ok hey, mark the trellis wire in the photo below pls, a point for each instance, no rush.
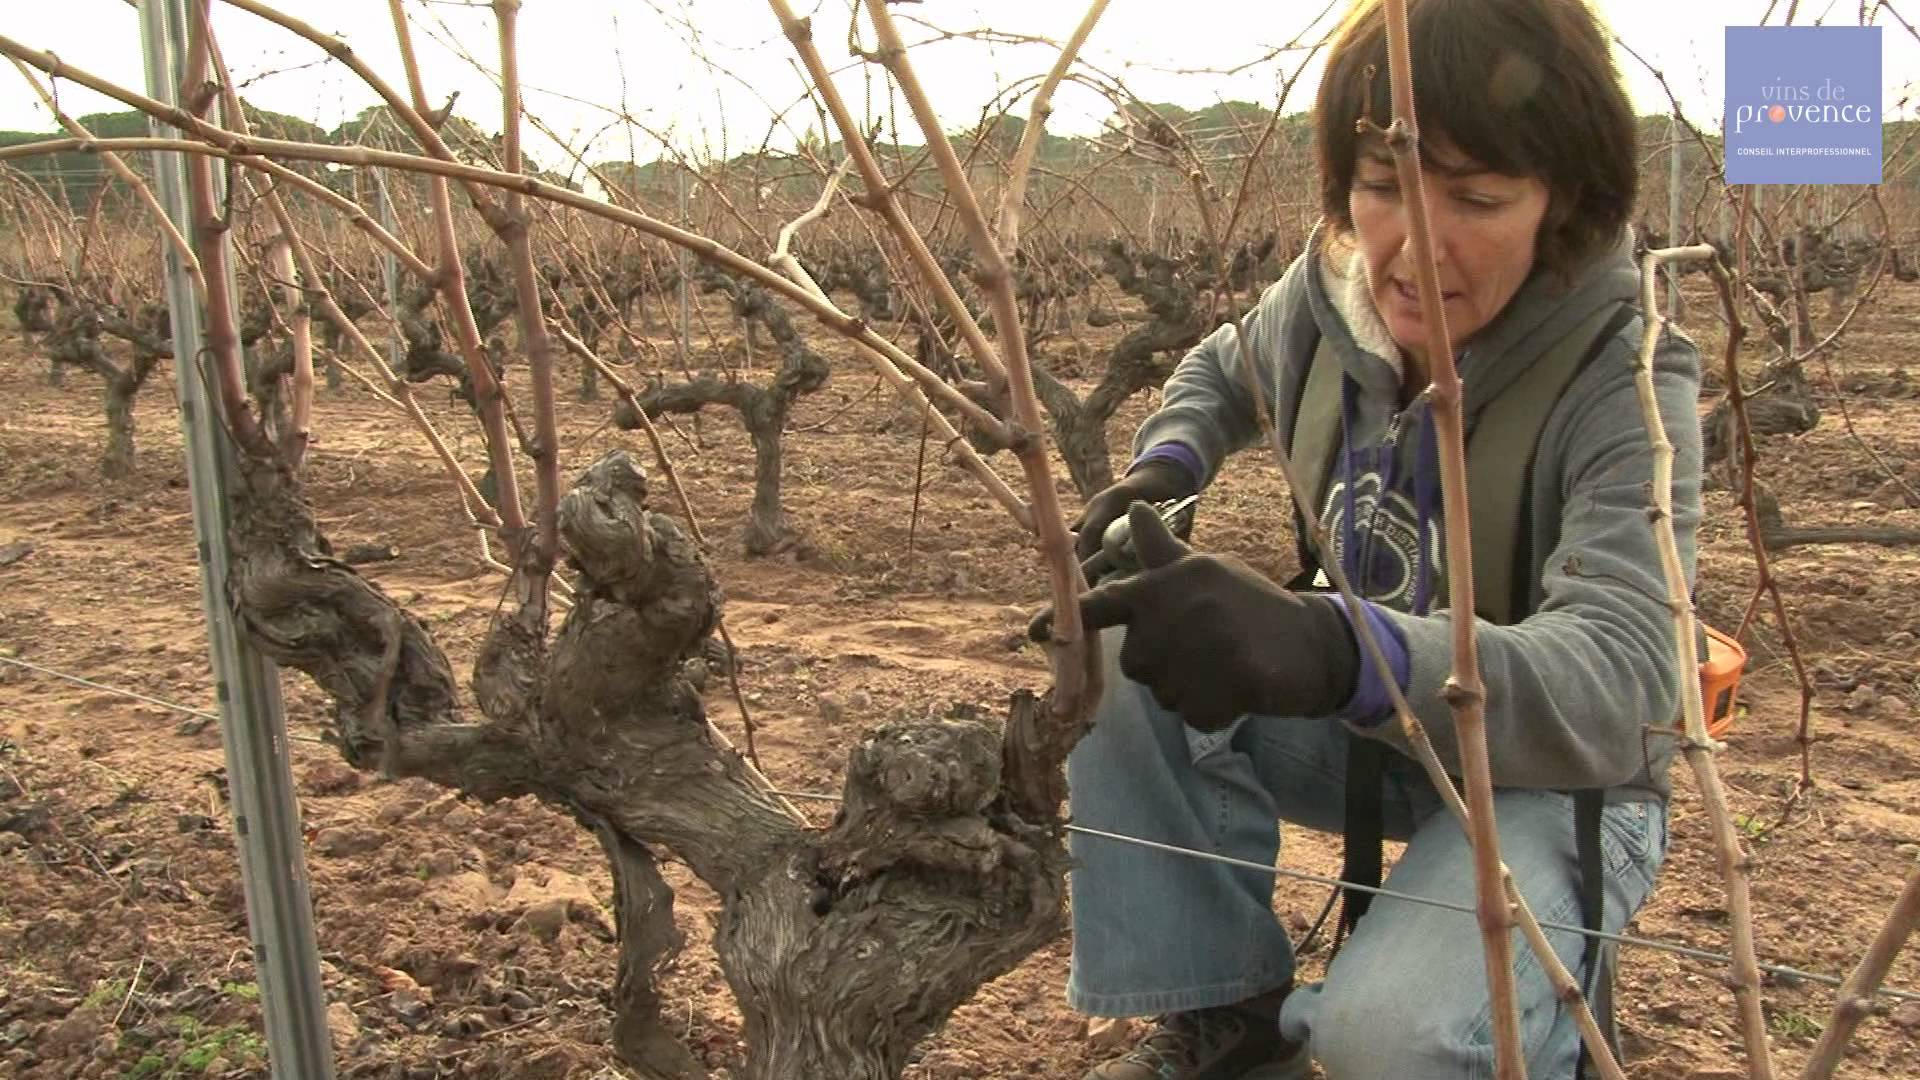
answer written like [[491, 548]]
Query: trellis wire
[[1449, 905], [1174, 849], [163, 703]]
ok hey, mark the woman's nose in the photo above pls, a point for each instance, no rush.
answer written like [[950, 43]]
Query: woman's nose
[[1441, 227]]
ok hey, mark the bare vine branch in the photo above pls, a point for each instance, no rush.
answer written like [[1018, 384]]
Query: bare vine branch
[[1464, 689], [1076, 676], [1855, 999], [1698, 746], [127, 176], [1013, 200]]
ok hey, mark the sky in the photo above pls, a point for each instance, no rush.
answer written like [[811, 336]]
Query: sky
[[712, 76]]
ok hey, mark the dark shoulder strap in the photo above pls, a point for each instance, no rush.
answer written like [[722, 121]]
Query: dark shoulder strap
[[1596, 977], [1500, 454], [1364, 818], [1316, 442], [1500, 483]]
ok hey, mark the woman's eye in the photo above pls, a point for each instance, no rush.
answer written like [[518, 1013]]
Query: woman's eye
[[1376, 187], [1482, 202]]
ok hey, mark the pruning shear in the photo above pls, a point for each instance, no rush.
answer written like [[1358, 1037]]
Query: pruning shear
[[1116, 555]]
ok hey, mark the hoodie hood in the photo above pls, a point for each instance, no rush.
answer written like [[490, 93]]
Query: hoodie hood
[[1384, 499], [1546, 308]]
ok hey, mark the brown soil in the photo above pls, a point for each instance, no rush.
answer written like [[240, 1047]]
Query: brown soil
[[123, 949]]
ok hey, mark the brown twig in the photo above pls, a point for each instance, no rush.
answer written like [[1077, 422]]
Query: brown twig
[[295, 441], [1464, 690], [1826, 356], [1259, 145], [1206, 202], [127, 176], [412, 115], [222, 336], [1764, 583], [1855, 998], [880, 193], [1698, 747], [132, 985], [852, 403], [200, 129], [1781, 537], [894, 369], [919, 484], [1076, 677], [1013, 199], [625, 390], [298, 437], [397, 391], [517, 235], [355, 215], [489, 395], [248, 152]]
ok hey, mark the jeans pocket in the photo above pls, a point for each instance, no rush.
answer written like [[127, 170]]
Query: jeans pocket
[[1627, 838]]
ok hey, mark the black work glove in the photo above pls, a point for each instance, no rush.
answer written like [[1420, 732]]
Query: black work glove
[[1212, 638], [1154, 481]]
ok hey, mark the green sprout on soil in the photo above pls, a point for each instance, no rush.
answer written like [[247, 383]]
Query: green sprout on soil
[[1793, 1025], [104, 993], [233, 1043]]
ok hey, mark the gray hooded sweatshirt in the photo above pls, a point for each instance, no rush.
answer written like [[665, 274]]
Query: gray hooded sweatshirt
[[1583, 693]]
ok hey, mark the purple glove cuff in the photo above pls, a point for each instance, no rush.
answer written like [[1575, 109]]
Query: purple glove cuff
[[1370, 706], [1180, 454]]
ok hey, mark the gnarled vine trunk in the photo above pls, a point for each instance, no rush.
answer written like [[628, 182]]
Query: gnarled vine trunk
[[74, 338], [1172, 292], [763, 410], [117, 461], [844, 946]]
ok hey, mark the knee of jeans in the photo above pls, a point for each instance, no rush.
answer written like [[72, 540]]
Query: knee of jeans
[[1394, 1023]]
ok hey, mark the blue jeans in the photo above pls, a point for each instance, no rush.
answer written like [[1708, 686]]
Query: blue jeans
[[1406, 994]]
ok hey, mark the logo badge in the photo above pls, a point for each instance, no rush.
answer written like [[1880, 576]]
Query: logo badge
[[1803, 105]]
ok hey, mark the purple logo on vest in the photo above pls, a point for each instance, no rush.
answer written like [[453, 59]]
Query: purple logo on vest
[[1803, 105]]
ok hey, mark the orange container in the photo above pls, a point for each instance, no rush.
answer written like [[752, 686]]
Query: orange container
[[1720, 681]]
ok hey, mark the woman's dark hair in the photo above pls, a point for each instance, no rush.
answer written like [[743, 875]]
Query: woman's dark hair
[[1524, 87]]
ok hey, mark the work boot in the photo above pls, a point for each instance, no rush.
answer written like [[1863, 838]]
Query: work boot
[[1230, 1042]]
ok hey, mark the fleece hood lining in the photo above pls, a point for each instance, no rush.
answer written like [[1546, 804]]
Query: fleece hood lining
[[1353, 300], [1543, 308]]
